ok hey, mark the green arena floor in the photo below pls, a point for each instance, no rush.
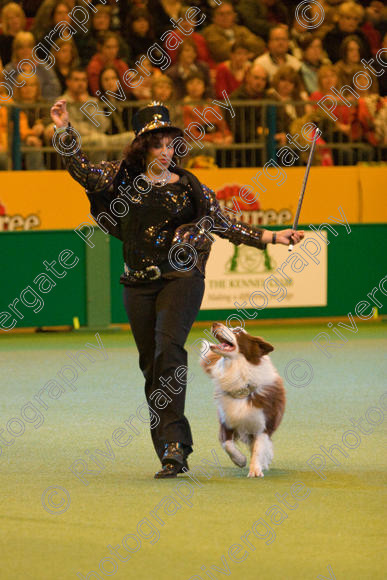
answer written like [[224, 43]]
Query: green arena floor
[[56, 526]]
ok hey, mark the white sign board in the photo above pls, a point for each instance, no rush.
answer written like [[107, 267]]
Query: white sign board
[[274, 278]]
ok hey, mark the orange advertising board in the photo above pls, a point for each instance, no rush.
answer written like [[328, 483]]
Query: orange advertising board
[[53, 200]]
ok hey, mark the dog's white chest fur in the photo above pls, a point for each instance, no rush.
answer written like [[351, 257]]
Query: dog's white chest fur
[[239, 413], [229, 378]]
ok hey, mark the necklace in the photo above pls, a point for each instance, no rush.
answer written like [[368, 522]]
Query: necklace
[[158, 182]]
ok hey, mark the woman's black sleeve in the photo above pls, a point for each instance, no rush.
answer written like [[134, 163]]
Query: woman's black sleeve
[[93, 177], [228, 227]]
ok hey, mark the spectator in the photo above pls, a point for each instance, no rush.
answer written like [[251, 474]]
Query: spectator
[[259, 17], [164, 10], [34, 117], [44, 16], [278, 55], [187, 63], [230, 74], [327, 79], [118, 118], [254, 84], [223, 32], [297, 35], [313, 59], [65, 59], [336, 131], [374, 23], [383, 78], [249, 121], [3, 135], [203, 54], [108, 48], [144, 90], [59, 12], [163, 90], [286, 86], [13, 20], [377, 107], [350, 16], [87, 44], [351, 54], [139, 31], [22, 46], [219, 131]]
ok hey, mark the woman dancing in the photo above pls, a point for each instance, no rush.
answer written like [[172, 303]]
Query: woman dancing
[[162, 293]]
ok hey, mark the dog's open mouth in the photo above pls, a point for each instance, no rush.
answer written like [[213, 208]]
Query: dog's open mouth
[[224, 343]]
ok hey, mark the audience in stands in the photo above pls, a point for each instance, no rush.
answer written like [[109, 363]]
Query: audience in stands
[[259, 17], [22, 46], [108, 49], [44, 16], [65, 59], [286, 87], [32, 120], [203, 54], [230, 74], [118, 119], [350, 16], [163, 11], [59, 12], [374, 24], [223, 32], [100, 24], [249, 120], [277, 55], [164, 91], [216, 128], [4, 149], [139, 31], [312, 59], [13, 21], [143, 92], [242, 48], [351, 52], [188, 63]]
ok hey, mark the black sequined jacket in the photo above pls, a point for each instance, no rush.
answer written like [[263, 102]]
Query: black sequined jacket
[[108, 181]]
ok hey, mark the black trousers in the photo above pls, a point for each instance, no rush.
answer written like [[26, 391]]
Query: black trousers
[[161, 314]]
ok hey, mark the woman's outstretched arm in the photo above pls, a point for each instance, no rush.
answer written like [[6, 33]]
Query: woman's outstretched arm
[[240, 233], [93, 177]]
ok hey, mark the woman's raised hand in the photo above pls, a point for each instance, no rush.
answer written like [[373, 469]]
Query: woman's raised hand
[[59, 113]]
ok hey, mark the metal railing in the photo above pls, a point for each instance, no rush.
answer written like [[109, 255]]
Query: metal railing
[[254, 127]]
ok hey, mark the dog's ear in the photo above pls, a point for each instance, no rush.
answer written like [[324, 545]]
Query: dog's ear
[[265, 347], [250, 347]]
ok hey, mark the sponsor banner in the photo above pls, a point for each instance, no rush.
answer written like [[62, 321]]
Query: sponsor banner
[[246, 277], [49, 200]]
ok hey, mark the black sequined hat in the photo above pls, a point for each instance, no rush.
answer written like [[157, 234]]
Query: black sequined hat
[[152, 117]]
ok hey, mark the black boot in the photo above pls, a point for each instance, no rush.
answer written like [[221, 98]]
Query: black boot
[[173, 460]]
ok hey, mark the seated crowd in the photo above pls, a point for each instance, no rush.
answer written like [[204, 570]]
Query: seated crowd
[[245, 50]]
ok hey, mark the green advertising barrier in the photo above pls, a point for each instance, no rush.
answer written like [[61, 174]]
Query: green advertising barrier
[[356, 263], [25, 279], [84, 282]]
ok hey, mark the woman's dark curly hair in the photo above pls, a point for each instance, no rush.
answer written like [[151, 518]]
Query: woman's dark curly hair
[[135, 153]]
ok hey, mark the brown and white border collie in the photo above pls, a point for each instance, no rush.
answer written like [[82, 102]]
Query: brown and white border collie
[[249, 394]]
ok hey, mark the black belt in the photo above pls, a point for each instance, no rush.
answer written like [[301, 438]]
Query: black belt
[[151, 272]]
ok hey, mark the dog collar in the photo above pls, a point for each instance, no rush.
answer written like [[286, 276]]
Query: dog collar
[[241, 393]]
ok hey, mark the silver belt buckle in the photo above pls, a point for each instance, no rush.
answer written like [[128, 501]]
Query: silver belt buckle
[[156, 269]]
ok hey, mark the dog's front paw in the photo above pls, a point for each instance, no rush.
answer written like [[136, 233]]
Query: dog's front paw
[[235, 455], [255, 472]]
